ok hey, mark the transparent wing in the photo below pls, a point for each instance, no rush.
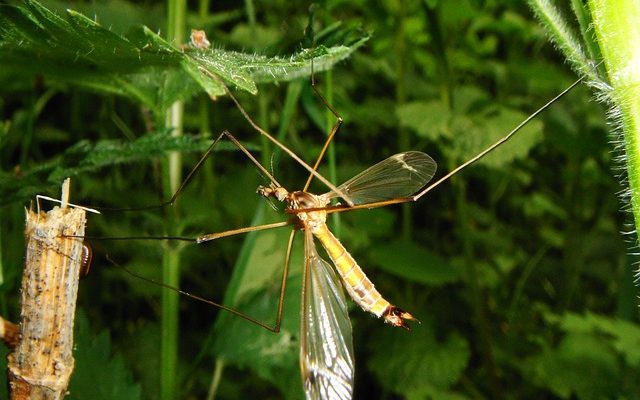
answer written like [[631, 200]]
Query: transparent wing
[[326, 350], [400, 175]]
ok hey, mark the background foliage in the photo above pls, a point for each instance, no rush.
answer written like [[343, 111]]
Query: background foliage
[[516, 267]]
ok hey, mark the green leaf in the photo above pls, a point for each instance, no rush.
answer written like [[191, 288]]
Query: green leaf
[[429, 119], [85, 157], [141, 346], [4, 352], [360, 229], [624, 336], [413, 262], [476, 133], [98, 374], [538, 205], [587, 362], [579, 365], [77, 50], [421, 366]]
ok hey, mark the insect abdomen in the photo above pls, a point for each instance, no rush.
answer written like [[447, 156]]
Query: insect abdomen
[[359, 287]]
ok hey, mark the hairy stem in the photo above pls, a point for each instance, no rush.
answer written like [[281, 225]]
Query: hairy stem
[[618, 33]]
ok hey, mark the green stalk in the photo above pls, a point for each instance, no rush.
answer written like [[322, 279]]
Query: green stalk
[[203, 8], [442, 62], [263, 121], [618, 33], [584, 20], [171, 257], [216, 378], [169, 325], [251, 15]]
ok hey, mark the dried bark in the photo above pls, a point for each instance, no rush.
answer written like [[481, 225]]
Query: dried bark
[[9, 333], [42, 362]]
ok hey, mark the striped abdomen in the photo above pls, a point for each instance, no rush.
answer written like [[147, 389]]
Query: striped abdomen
[[359, 287], [356, 282]]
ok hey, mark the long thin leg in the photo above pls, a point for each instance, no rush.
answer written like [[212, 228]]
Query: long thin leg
[[496, 144], [218, 235], [210, 236], [199, 239], [275, 141], [334, 130], [283, 284], [195, 169], [417, 196], [275, 328]]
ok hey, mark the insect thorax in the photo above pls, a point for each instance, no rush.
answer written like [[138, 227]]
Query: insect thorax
[[301, 200], [298, 201]]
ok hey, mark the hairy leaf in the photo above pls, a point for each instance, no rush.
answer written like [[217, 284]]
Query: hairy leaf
[[77, 50]]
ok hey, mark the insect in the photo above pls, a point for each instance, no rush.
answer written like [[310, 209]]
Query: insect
[[326, 354], [326, 349]]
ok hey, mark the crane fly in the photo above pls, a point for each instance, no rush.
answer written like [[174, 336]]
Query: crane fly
[[398, 176], [326, 352], [326, 348]]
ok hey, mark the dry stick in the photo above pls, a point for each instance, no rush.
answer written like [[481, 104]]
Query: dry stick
[[9, 333], [42, 362]]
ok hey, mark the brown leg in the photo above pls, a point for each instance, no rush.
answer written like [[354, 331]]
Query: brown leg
[[275, 141], [334, 130]]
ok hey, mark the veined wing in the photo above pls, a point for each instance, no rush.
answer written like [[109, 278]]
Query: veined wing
[[326, 350], [400, 175]]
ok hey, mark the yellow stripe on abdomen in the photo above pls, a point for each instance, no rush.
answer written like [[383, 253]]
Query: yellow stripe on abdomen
[[359, 287]]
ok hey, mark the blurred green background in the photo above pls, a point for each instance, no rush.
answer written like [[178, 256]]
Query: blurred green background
[[516, 267]]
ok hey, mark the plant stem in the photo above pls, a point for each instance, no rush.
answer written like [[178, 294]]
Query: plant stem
[[444, 72], [169, 325], [251, 16], [215, 379], [618, 33], [171, 257], [203, 8]]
